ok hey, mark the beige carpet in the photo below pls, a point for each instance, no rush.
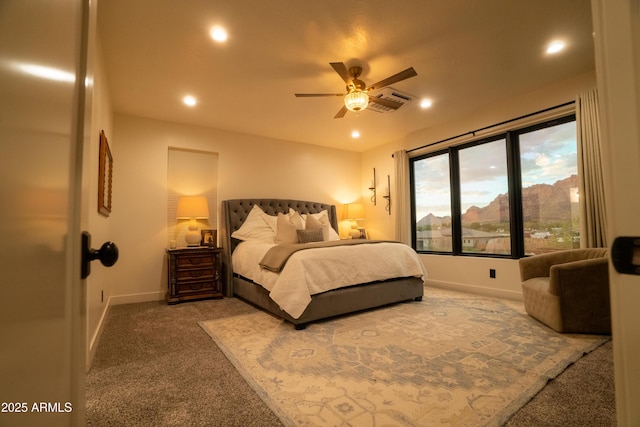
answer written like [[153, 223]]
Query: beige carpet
[[452, 359]]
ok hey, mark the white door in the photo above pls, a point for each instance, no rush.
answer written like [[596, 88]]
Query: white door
[[42, 324], [617, 37]]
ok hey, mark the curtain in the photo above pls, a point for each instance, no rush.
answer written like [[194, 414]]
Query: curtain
[[591, 187], [402, 201]]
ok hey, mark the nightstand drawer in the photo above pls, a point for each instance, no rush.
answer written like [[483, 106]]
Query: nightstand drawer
[[187, 288], [194, 260], [183, 275]]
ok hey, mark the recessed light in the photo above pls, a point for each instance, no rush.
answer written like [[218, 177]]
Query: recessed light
[[355, 134], [555, 46], [219, 34], [189, 100], [426, 103]]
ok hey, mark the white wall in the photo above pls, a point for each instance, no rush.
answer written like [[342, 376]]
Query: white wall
[[248, 166], [98, 283], [462, 272]]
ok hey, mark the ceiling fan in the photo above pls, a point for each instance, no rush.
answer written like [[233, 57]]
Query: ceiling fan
[[357, 97]]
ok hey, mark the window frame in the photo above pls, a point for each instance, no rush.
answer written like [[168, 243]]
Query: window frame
[[514, 184]]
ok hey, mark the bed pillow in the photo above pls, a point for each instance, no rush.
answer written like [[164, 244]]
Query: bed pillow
[[312, 222], [310, 235], [287, 225], [323, 218], [257, 226], [321, 221]]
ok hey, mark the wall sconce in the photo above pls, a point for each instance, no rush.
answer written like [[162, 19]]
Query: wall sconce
[[373, 188], [192, 208], [388, 195]]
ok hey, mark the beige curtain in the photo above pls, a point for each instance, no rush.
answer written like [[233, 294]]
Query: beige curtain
[[402, 203], [592, 197]]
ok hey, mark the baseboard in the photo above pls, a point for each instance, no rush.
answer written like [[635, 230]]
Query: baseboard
[[476, 290], [134, 298], [95, 339]]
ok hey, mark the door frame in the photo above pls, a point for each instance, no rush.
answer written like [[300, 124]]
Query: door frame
[[617, 48]]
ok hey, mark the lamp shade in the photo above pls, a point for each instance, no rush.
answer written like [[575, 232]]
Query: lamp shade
[[192, 207], [356, 100], [354, 211]]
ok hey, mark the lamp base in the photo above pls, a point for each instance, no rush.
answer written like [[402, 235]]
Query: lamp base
[[192, 238], [193, 235]]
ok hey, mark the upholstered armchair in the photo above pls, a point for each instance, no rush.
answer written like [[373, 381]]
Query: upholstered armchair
[[568, 290]]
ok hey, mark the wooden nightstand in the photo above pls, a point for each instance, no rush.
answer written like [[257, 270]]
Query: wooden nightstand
[[194, 273]]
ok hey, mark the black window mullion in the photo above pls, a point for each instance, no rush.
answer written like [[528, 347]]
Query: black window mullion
[[456, 215], [515, 195], [412, 190]]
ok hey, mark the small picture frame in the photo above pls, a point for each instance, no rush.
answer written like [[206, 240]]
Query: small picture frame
[[363, 233], [209, 237]]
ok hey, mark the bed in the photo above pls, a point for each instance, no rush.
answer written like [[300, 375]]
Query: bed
[[349, 298]]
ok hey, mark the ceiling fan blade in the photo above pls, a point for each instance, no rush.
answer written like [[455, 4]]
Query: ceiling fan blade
[[402, 75], [304, 95], [341, 113], [341, 69], [386, 102]]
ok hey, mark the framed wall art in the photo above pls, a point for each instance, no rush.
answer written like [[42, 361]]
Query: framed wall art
[[105, 176]]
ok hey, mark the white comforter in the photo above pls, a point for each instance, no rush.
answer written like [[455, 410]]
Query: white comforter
[[313, 271]]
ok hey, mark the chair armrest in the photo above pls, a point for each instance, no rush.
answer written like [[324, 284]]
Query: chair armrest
[[537, 266], [583, 290]]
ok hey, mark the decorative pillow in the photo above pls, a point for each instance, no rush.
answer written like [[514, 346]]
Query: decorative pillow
[[310, 235], [257, 227], [312, 223], [287, 225], [271, 220], [322, 222], [323, 218], [330, 233], [296, 218]]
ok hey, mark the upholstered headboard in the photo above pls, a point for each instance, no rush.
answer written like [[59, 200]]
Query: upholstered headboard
[[235, 212]]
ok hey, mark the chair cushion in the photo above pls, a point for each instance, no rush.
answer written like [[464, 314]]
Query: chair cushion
[[540, 303]]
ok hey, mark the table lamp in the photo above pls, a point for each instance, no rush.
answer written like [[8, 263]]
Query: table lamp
[[192, 208], [354, 212]]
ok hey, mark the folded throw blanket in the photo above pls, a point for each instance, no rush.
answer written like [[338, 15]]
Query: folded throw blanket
[[276, 257]]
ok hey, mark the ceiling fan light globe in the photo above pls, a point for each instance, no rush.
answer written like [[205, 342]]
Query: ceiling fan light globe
[[356, 101]]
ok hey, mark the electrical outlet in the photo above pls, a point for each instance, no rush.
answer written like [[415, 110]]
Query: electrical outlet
[[492, 273]]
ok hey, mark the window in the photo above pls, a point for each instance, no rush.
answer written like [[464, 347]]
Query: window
[[506, 196], [484, 198], [432, 204], [549, 176]]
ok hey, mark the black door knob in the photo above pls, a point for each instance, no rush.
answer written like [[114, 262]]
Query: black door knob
[[107, 254]]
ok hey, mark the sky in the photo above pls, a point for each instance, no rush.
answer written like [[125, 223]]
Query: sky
[[547, 155]]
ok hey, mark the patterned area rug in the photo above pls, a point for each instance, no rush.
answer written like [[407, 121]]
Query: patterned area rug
[[451, 359]]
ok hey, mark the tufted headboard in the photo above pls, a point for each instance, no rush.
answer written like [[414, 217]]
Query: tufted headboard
[[234, 213]]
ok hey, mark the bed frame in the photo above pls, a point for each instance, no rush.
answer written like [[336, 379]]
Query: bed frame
[[322, 306]]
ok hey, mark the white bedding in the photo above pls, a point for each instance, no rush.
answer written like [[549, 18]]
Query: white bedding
[[313, 271]]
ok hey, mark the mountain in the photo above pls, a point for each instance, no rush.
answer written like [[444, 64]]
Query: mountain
[[544, 202], [433, 221], [541, 202]]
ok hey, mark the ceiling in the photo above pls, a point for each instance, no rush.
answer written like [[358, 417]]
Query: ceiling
[[467, 54]]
